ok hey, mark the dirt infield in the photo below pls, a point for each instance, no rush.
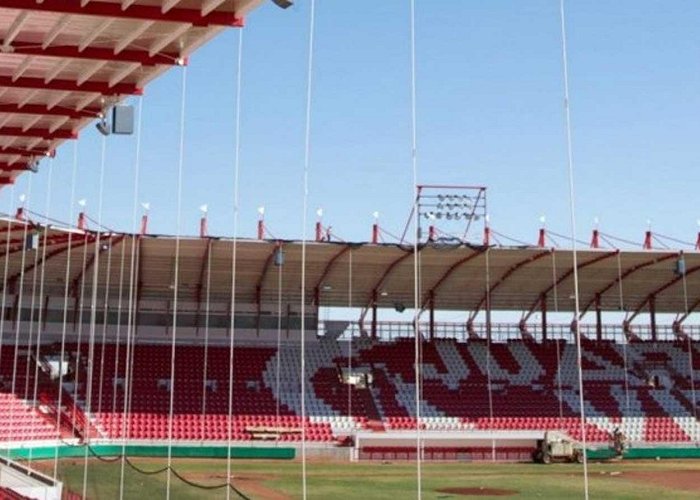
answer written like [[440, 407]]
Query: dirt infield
[[478, 492], [687, 480]]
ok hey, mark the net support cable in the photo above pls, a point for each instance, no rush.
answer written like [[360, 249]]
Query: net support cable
[[305, 203], [572, 208], [3, 305], [176, 277], [64, 320], [691, 361], [18, 312], [131, 299], [624, 337], [416, 274], [555, 296], [40, 318], [205, 368], [89, 381], [234, 260]]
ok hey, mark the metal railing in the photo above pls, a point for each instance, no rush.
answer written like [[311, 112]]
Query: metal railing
[[504, 332]]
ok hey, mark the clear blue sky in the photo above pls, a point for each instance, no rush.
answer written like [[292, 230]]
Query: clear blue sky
[[489, 112]]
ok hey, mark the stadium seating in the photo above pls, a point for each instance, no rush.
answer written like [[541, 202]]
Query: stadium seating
[[643, 388]]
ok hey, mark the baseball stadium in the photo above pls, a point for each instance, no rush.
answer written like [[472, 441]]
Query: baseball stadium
[[445, 359]]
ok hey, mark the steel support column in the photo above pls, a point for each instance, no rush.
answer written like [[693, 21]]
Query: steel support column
[[543, 308], [432, 316], [374, 315], [598, 319], [652, 317]]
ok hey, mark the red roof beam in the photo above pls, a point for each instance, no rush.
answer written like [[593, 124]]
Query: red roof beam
[[71, 86], [14, 167], [561, 279], [97, 53], [36, 109], [27, 152], [512, 269], [38, 132], [4, 181], [140, 12]]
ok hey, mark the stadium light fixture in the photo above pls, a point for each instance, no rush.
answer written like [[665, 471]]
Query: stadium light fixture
[[283, 4], [543, 220], [261, 211], [375, 215], [33, 165], [596, 222], [319, 212], [82, 202], [204, 209], [102, 127], [649, 224], [279, 257], [22, 198], [146, 206]]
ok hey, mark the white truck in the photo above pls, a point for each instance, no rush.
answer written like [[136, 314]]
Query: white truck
[[557, 447]]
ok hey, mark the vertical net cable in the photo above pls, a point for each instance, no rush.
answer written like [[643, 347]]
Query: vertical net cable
[[87, 434], [117, 341], [18, 315], [41, 292], [351, 334], [8, 237], [555, 293], [131, 316], [176, 278], [105, 317], [32, 323], [279, 346], [691, 366], [489, 388], [210, 248], [64, 321], [78, 317], [624, 336], [234, 257], [305, 203], [572, 198], [416, 298]]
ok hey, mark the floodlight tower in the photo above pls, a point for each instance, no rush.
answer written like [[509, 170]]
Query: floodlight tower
[[456, 209]]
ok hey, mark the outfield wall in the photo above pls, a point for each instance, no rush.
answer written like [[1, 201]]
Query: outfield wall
[[650, 453], [329, 453], [178, 451]]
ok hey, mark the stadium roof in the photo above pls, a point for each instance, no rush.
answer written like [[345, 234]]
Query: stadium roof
[[454, 276], [63, 62]]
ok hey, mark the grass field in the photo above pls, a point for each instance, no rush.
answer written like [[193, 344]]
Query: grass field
[[282, 479]]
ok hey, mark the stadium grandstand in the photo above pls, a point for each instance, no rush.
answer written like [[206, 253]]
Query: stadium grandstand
[[444, 344]]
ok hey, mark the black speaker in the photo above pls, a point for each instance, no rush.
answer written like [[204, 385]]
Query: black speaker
[[32, 242], [123, 120], [680, 266]]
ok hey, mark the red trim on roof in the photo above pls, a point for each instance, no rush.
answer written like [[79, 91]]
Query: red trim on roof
[[71, 86], [95, 53], [143, 12]]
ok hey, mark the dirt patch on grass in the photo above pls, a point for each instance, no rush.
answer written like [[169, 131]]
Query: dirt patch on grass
[[478, 492], [253, 486], [250, 484], [686, 480]]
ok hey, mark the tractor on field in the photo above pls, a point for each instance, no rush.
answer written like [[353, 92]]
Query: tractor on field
[[557, 447]]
